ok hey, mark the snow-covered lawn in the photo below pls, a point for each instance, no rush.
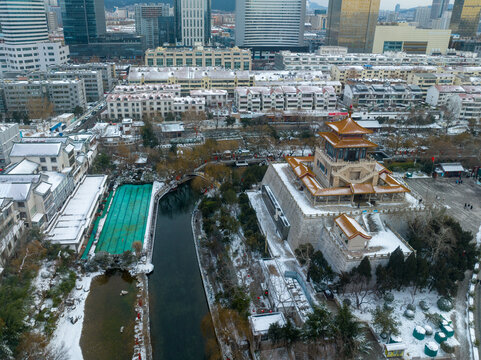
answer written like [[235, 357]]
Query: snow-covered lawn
[[406, 327], [68, 334]]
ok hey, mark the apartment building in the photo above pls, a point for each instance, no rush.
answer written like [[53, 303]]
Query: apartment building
[[51, 156], [465, 106], [438, 95], [324, 59], [228, 58], [425, 80], [11, 230], [213, 97], [9, 134], [284, 98], [65, 95], [109, 74], [93, 83], [385, 97], [150, 104], [192, 78], [174, 89], [343, 73]]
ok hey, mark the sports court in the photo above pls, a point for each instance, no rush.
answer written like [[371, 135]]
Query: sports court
[[126, 219]]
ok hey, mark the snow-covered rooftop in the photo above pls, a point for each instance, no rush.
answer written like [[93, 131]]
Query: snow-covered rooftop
[[260, 323], [24, 167], [35, 149], [76, 215]]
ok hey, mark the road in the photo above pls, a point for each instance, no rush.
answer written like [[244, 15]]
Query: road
[[87, 119]]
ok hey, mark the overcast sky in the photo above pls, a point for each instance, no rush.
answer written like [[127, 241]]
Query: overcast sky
[[390, 4]]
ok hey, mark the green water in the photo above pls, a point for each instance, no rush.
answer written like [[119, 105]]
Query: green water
[[126, 219], [105, 313], [177, 299]]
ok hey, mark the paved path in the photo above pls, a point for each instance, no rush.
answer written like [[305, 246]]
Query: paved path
[[445, 192]]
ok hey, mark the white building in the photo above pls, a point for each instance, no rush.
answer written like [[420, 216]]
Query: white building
[[213, 97], [51, 156], [465, 106], [9, 134], [270, 24], [11, 229], [65, 95], [384, 97], [26, 44], [93, 83], [70, 228], [109, 74], [284, 98], [324, 59], [173, 89], [152, 103], [438, 95]]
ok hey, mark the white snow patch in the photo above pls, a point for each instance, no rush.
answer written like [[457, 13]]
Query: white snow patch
[[66, 333], [415, 348]]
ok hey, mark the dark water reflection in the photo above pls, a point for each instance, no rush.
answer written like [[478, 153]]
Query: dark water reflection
[[177, 299], [105, 313]]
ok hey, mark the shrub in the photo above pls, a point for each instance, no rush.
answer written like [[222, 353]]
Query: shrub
[[444, 304]]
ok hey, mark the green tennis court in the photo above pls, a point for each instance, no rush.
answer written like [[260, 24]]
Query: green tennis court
[[126, 219]]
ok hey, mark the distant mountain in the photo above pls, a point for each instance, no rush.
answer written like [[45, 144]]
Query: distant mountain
[[225, 5]]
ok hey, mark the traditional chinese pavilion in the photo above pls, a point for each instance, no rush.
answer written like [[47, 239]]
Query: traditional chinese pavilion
[[342, 169]]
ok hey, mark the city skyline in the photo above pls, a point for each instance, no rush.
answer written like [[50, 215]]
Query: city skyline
[[390, 4]]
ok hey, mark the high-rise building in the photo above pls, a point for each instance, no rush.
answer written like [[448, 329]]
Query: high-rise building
[[23, 22], [192, 22], [83, 20], [155, 23], [25, 33], [270, 23], [397, 8], [438, 8], [352, 23], [465, 17], [423, 17]]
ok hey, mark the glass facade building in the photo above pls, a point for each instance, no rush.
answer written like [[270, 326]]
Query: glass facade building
[[465, 17], [270, 23], [352, 23], [83, 20]]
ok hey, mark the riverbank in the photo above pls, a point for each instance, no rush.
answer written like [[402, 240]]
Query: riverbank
[[208, 288]]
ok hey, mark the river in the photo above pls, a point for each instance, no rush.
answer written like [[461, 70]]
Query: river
[[177, 300]]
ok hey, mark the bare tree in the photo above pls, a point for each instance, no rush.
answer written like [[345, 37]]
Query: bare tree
[[39, 108]]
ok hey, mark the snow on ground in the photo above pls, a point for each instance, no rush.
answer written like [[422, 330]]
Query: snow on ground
[[298, 196], [156, 187], [478, 236], [401, 300], [283, 259], [68, 334]]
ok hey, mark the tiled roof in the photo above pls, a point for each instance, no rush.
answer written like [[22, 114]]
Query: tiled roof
[[351, 227], [348, 126]]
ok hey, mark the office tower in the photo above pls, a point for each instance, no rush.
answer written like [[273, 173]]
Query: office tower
[[83, 20], [270, 23], [153, 21], [465, 17], [23, 22], [438, 8], [423, 17], [397, 8], [52, 21], [192, 22], [352, 23], [25, 33]]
